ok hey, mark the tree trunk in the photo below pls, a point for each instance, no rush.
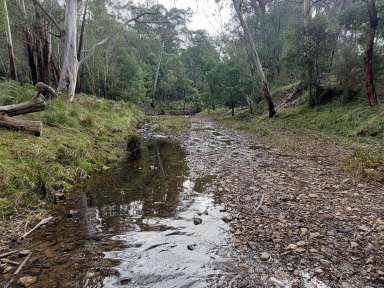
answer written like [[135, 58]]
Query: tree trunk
[[68, 76], [81, 45], [255, 59], [156, 80], [12, 63], [368, 59]]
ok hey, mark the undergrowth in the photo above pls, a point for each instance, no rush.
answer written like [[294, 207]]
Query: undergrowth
[[354, 125], [78, 139]]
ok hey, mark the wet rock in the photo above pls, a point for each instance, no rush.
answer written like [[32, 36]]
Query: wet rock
[[125, 281], [72, 213], [265, 256], [197, 220], [27, 281], [191, 247], [227, 219]]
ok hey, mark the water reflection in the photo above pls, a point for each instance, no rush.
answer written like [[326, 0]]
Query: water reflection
[[122, 199]]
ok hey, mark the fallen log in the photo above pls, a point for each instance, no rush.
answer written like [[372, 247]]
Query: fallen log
[[35, 127], [37, 104]]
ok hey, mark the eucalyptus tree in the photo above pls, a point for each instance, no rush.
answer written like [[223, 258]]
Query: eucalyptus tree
[[254, 57], [11, 54]]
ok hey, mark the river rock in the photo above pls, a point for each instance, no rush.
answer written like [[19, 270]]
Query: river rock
[[27, 281], [197, 220], [227, 219], [265, 256], [24, 253]]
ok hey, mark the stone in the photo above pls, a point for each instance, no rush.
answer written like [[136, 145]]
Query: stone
[[24, 253], [319, 270], [354, 244], [227, 219], [197, 220], [265, 256], [301, 243], [72, 213], [191, 247], [27, 281], [303, 231], [291, 247]]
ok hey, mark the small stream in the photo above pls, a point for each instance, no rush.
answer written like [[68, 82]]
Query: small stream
[[135, 226]]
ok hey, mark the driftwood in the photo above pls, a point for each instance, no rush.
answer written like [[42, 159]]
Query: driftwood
[[42, 222], [37, 104], [22, 264], [6, 254], [35, 127]]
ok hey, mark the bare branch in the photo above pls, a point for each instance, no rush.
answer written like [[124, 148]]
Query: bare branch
[[49, 16], [106, 40]]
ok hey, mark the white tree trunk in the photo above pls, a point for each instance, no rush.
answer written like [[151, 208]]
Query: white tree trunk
[[68, 76], [255, 59], [12, 65], [156, 80]]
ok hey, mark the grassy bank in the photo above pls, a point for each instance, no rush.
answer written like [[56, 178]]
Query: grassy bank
[[169, 123], [78, 140], [355, 126]]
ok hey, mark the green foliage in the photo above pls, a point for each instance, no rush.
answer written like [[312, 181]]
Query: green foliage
[[78, 139]]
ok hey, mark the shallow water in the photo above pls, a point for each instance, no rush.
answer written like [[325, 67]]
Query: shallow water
[[133, 227]]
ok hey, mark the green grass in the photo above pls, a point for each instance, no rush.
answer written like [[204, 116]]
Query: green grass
[[354, 125], [169, 123], [78, 139]]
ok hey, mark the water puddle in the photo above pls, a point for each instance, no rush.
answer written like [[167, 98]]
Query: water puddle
[[138, 226]]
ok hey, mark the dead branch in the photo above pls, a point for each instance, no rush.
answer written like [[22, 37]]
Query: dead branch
[[7, 261], [8, 253], [42, 222], [23, 264]]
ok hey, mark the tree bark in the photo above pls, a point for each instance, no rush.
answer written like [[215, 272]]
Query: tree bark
[[255, 59], [368, 59], [68, 76], [35, 127], [12, 63]]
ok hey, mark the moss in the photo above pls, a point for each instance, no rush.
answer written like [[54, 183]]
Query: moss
[[78, 139]]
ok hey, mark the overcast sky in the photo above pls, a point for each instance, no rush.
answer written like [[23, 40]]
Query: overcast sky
[[207, 14]]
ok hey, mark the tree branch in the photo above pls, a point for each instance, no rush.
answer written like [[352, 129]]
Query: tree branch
[[49, 16], [105, 40]]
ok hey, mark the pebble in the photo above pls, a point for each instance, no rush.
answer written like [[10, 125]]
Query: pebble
[[197, 220], [27, 281], [24, 253], [227, 219], [265, 256]]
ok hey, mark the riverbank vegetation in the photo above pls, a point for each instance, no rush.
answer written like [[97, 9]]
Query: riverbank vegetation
[[79, 139]]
